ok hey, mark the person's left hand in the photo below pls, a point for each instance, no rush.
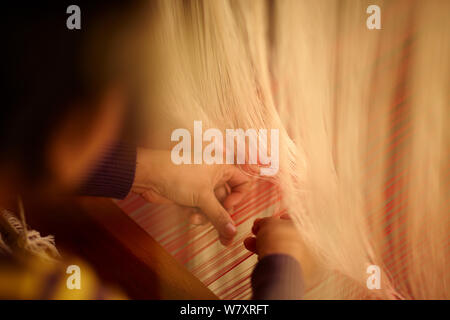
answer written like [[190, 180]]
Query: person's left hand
[[198, 186]]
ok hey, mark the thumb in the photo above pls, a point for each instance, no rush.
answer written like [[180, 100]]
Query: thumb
[[218, 216]]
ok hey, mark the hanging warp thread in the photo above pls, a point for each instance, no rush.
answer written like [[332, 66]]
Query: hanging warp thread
[[363, 119]]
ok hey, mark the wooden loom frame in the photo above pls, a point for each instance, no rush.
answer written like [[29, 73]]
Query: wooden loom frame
[[117, 247]]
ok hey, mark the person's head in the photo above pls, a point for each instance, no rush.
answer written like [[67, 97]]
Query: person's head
[[66, 91]]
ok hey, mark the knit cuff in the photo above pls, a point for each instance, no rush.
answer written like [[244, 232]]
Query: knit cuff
[[277, 277], [113, 176]]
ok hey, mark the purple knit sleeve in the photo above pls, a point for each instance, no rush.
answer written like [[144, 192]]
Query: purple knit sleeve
[[277, 277], [113, 175]]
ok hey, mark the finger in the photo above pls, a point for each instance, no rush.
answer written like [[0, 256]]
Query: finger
[[250, 244], [255, 227], [186, 212], [240, 185], [193, 215], [197, 219], [225, 241], [222, 192], [218, 216], [259, 223], [285, 216]]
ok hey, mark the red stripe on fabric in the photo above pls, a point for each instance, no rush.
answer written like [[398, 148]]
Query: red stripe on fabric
[[221, 274]]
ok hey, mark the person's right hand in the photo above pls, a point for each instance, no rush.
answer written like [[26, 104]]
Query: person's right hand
[[279, 235], [275, 235]]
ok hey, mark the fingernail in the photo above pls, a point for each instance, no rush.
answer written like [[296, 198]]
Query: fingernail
[[230, 229], [225, 242], [227, 188]]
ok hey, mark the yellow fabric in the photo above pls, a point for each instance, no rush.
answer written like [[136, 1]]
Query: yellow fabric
[[38, 279]]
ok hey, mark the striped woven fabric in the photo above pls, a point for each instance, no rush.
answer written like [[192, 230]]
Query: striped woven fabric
[[224, 270], [389, 215]]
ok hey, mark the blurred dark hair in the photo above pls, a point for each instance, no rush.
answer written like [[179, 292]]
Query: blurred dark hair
[[44, 71]]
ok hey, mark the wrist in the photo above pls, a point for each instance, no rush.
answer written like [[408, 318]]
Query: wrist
[[288, 250], [152, 168], [144, 168]]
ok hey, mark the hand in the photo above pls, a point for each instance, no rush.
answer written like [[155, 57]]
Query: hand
[[159, 180], [279, 235]]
